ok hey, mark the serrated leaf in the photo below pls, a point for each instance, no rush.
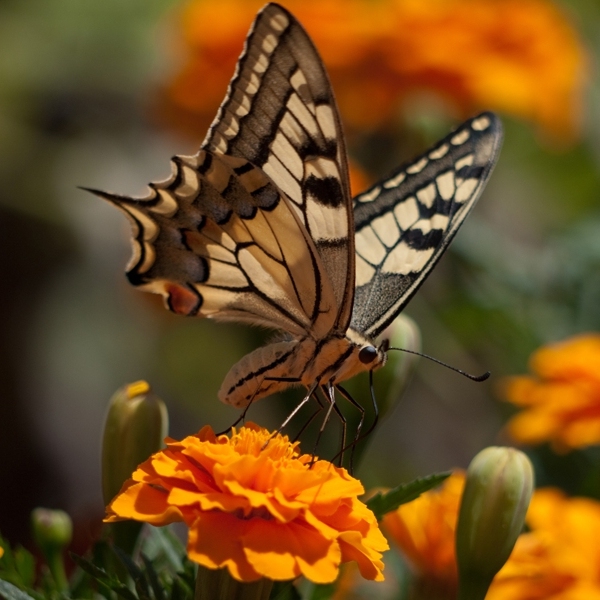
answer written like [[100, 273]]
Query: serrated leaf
[[8, 591], [381, 504]]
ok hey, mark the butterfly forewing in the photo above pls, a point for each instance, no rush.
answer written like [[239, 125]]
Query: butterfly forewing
[[404, 223], [280, 115]]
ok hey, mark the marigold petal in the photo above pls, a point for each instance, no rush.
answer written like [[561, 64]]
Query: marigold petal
[[143, 503], [284, 552], [214, 541], [367, 558]]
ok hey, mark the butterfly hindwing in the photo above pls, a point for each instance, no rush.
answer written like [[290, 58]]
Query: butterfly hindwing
[[404, 223], [280, 115], [218, 240]]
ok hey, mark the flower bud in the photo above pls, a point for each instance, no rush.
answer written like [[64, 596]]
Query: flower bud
[[392, 381], [51, 528], [492, 513], [52, 531], [136, 424]]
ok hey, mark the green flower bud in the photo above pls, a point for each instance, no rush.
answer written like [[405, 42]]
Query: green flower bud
[[492, 513], [52, 531], [404, 333], [136, 424]]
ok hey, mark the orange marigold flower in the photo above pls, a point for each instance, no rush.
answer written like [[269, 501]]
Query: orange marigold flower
[[424, 530], [558, 558], [253, 504], [521, 57], [561, 400]]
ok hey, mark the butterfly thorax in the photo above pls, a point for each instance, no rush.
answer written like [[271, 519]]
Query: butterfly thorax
[[306, 362]]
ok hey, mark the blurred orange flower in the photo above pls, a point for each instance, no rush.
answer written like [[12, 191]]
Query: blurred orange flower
[[561, 400], [424, 530], [559, 558], [521, 57], [253, 504]]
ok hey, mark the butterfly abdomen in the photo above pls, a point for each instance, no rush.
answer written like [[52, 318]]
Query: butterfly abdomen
[[304, 362], [263, 372]]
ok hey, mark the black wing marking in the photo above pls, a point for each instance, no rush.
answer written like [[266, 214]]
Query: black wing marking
[[404, 223]]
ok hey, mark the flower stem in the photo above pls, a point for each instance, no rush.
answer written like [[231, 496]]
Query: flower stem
[[473, 588], [57, 569]]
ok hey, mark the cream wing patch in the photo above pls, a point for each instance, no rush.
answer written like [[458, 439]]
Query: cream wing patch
[[404, 223]]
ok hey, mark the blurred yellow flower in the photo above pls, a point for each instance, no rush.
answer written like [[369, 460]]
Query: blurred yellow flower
[[253, 504], [561, 400], [558, 558], [521, 57]]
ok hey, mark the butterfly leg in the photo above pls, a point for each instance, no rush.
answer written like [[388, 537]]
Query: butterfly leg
[[358, 437], [342, 420], [345, 394], [295, 411], [330, 397], [312, 417], [242, 417]]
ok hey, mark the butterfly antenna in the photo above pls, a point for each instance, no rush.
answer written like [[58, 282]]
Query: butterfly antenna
[[478, 378]]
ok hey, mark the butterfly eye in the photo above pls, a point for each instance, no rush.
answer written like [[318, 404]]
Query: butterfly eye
[[367, 354]]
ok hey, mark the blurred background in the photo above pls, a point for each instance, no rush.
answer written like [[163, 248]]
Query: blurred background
[[101, 94]]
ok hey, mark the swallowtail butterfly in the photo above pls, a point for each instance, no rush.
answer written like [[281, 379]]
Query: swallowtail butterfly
[[259, 226]]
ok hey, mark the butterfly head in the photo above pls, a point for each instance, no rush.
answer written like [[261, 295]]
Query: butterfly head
[[372, 356], [364, 355]]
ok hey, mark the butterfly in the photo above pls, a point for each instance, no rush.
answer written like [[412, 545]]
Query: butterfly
[[259, 226]]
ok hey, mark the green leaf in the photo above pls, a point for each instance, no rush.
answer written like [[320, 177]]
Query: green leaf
[[188, 575], [25, 565], [284, 590], [180, 592], [321, 591], [8, 591], [162, 540], [381, 504], [141, 584], [103, 578], [153, 578]]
